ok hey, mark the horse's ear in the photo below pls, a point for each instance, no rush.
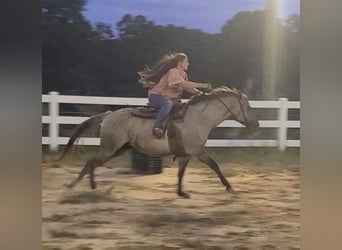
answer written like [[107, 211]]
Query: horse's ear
[[242, 94]]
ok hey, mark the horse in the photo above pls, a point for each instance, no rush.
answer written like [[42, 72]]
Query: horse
[[184, 138]]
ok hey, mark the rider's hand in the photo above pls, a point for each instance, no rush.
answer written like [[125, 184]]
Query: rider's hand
[[209, 87], [206, 86]]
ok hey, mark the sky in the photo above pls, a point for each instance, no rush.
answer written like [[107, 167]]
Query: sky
[[206, 15]]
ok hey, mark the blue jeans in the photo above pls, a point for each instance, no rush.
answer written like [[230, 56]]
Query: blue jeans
[[164, 105]]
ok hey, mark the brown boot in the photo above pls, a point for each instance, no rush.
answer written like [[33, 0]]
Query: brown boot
[[158, 132]]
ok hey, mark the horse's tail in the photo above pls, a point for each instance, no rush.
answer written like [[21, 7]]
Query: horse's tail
[[84, 126]]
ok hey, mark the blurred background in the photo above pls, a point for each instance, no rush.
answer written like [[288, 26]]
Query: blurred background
[[96, 48]]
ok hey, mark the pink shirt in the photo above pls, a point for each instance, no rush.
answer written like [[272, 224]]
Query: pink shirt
[[168, 84]]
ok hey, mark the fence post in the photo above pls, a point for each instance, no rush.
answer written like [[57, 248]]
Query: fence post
[[54, 126], [282, 117]]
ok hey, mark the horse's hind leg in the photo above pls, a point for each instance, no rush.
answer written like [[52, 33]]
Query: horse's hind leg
[[104, 158], [204, 157], [107, 151], [91, 164]]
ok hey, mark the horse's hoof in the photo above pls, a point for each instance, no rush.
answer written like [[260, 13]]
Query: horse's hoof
[[230, 190], [68, 186], [93, 184], [184, 195]]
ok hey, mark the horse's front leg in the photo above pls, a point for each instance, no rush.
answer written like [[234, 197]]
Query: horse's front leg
[[183, 162], [204, 157]]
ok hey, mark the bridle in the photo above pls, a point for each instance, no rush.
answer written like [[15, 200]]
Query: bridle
[[240, 110]]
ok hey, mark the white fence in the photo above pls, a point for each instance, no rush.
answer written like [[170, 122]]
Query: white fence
[[53, 119]]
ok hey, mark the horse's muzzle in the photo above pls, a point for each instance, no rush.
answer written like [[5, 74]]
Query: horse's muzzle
[[253, 125]]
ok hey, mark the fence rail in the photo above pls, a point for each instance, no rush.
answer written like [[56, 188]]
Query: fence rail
[[282, 124]]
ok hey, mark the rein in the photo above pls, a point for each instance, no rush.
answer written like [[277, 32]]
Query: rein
[[241, 109]]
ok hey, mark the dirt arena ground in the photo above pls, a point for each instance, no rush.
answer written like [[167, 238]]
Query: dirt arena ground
[[131, 212]]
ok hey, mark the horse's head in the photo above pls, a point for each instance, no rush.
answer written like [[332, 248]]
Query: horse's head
[[238, 105], [234, 101], [246, 115]]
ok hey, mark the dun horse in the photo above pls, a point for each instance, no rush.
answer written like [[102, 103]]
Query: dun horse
[[185, 138]]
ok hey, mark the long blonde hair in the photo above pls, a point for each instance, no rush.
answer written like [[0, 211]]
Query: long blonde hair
[[150, 77]]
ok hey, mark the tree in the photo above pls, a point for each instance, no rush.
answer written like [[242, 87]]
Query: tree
[[79, 58], [65, 34], [241, 43], [133, 27]]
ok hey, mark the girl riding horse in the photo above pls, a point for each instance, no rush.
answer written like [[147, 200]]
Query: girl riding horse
[[166, 81]]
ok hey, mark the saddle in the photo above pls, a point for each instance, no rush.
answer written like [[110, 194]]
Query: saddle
[[173, 134], [178, 111]]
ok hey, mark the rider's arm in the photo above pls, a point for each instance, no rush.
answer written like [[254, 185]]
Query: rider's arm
[[191, 85], [175, 79], [193, 91]]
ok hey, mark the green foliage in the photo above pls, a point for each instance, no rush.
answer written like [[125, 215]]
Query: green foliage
[[79, 58]]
